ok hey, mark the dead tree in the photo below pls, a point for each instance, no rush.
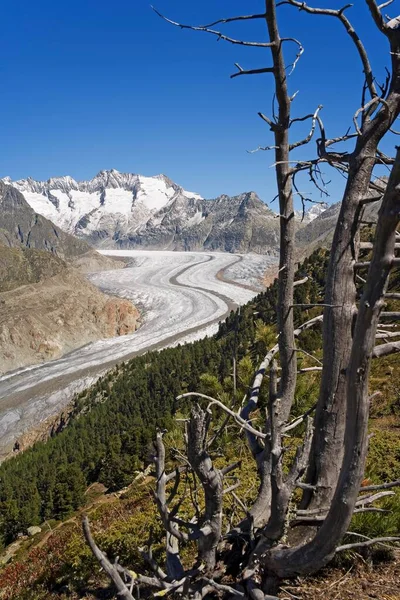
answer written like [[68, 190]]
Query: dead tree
[[331, 488], [379, 110]]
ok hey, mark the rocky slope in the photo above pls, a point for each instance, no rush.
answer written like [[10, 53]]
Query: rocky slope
[[122, 210], [20, 266], [21, 226], [230, 224], [319, 232], [44, 320], [47, 307]]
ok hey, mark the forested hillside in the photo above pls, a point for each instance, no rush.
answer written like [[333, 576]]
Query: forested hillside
[[114, 423], [110, 435]]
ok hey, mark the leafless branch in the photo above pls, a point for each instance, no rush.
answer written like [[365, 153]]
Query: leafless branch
[[384, 335], [365, 500], [173, 534], [377, 15], [380, 486], [251, 71], [367, 108], [298, 420], [308, 138], [385, 4], [234, 19], [226, 470], [218, 34], [268, 121], [385, 349], [367, 543], [300, 281], [224, 588], [366, 264], [395, 316], [108, 567], [239, 420], [262, 148], [339, 14]]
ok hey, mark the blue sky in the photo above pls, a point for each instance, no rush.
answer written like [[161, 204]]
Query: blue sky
[[93, 84]]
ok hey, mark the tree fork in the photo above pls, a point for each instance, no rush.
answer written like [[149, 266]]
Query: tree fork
[[340, 290], [317, 553]]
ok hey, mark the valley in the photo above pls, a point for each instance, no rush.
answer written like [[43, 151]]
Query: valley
[[182, 296]]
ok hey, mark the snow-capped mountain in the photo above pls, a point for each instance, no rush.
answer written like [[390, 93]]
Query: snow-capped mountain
[[21, 226], [111, 200], [123, 210], [312, 213]]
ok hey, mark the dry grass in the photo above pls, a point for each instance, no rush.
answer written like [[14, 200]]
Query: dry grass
[[362, 581]]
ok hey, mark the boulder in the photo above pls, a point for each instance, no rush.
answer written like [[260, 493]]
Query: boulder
[[34, 530]]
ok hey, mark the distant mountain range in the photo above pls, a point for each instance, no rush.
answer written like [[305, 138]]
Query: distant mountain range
[[123, 210]]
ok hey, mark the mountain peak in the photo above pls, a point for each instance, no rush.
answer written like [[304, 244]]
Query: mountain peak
[[116, 209], [312, 213], [111, 196]]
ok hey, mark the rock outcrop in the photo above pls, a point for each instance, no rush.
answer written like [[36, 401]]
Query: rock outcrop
[[44, 320]]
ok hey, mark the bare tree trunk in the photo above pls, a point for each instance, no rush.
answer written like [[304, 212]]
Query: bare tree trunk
[[339, 315], [340, 298], [261, 509], [318, 552], [173, 561], [288, 360], [212, 481]]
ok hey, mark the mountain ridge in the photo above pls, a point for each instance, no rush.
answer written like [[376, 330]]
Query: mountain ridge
[[124, 210]]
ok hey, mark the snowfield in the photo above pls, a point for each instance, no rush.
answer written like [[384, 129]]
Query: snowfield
[[111, 197], [182, 296]]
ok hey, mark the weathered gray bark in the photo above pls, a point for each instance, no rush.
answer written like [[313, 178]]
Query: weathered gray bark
[[173, 561], [109, 568], [260, 511], [340, 298], [284, 175], [317, 553], [280, 493], [212, 482]]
